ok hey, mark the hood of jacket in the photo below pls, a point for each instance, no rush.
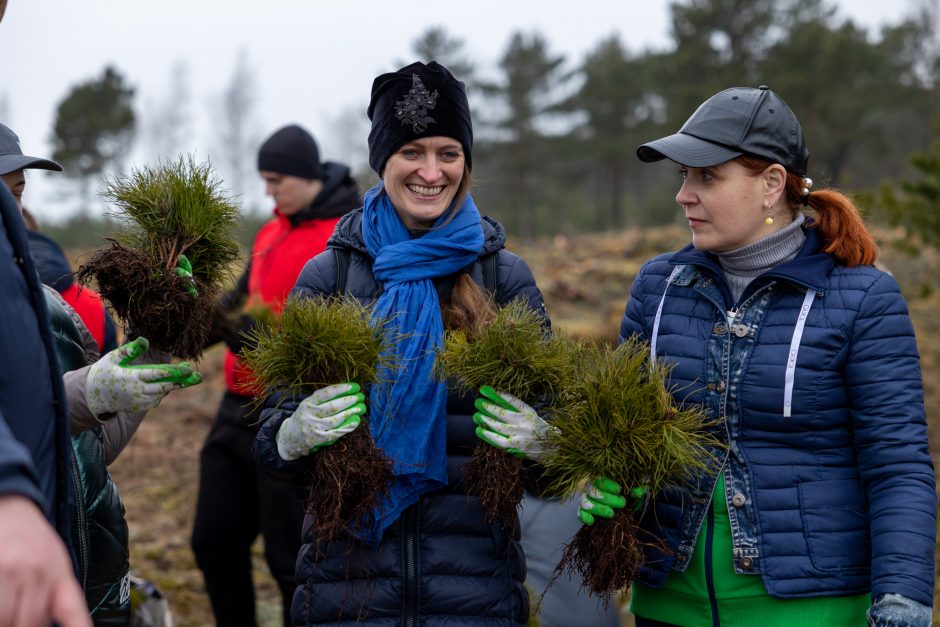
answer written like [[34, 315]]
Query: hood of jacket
[[54, 269]]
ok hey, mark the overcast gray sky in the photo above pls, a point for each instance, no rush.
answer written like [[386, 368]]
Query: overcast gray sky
[[313, 60]]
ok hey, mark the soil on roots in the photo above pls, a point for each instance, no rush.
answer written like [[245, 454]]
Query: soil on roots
[[498, 478], [606, 555], [349, 479], [151, 299]]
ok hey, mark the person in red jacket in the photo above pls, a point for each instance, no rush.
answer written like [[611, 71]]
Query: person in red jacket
[[235, 504]]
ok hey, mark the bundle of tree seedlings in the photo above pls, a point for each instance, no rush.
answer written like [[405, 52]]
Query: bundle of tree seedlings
[[623, 425], [513, 353], [318, 342], [174, 250]]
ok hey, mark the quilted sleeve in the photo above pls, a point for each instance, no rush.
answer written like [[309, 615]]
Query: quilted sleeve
[[886, 399]]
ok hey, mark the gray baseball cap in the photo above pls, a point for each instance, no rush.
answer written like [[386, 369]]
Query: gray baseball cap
[[734, 122], [12, 157]]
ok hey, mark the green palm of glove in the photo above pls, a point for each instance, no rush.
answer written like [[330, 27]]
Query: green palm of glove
[[113, 384], [181, 373], [320, 420], [185, 269], [507, 423], [602, 498]]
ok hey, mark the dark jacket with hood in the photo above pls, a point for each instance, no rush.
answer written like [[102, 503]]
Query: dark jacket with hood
[[440, 563], [281, 248]]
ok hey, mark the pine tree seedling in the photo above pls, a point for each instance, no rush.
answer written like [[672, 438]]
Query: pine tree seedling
[[513, 354], [623, 424], [319, 342], [174, 216]]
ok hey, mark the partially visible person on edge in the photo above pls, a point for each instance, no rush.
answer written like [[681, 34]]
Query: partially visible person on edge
[[39, 579], [235, 502], [106, 403], [418, 253], [822, 509], [38, 575]]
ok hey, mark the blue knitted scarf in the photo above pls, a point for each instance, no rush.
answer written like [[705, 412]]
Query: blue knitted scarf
[[408, 406]]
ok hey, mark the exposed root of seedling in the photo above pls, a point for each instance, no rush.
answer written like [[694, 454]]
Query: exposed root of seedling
[[349, 480], [151, 299], [606, 555], [498, 479]]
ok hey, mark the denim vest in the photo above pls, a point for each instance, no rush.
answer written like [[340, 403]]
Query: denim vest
[[728, 348]]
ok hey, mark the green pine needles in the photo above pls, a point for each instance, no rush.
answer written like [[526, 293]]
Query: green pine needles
[[167, 211], [624, 425], [513, 354], [319, 342], [315, 343], [177, 208]]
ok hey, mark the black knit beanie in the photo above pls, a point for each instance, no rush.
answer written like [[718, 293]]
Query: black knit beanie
[[417, 101], [290, 150]]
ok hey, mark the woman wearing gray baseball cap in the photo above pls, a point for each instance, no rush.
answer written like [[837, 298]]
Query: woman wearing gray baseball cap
[[13, 163], [821, 506]]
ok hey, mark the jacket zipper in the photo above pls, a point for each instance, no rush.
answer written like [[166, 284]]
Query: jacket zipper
[[410, 561], [709, 566], [80, 515]]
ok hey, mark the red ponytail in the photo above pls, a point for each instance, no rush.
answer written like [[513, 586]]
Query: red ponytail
[[837, 218]]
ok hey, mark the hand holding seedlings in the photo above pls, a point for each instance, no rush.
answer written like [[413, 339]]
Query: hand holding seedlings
[[320, 420], [509, 424], [114, 384], [601, 498]]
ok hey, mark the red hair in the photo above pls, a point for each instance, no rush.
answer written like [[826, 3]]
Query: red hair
[[837, 217]]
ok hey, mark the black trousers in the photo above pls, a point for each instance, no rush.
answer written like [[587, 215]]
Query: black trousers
[[236, 503]]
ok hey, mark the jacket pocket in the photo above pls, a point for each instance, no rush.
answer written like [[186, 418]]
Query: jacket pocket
[[835, 524]]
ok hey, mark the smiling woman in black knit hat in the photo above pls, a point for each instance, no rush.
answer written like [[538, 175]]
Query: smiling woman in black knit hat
[[415, 252]]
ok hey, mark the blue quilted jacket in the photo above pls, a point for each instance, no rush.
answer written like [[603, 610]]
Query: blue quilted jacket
[[815, 383], [441, 564]]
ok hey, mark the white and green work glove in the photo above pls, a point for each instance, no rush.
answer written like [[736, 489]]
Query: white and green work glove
[[114, 384], [321, 418], [602, 499], [509, 424]]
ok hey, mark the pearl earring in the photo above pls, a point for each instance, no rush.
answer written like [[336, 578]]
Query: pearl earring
[[770, 217]]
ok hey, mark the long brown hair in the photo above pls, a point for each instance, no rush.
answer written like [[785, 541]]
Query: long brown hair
[[468, 306], [837, 217]]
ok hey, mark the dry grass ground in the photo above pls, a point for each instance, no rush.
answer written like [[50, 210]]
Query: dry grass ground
[[585, 280]]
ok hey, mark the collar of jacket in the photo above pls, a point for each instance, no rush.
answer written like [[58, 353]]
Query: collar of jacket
[[809, 268], [339, 196], [348, 234]]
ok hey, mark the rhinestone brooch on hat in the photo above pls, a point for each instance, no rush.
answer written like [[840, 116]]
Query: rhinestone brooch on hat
[[414, 106]]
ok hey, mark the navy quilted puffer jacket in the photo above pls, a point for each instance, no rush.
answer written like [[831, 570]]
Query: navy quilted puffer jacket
[[815, 381], [441, 564]]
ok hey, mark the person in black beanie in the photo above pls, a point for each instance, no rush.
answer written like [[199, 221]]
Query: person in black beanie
[[235, 502], [418, 253]]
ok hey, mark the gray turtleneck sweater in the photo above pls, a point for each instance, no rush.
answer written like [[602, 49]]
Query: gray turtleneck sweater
[[743, 265]]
